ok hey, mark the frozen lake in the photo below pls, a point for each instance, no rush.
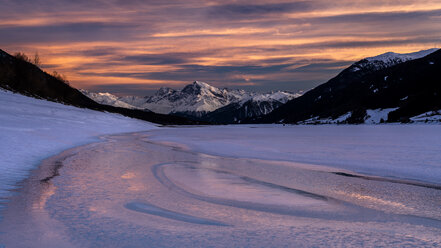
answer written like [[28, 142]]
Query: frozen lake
[[209, 186], [394, 151]]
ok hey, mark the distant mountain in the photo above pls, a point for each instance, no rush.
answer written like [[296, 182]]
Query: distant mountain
[[21, 76], [254, 106], [387, 88], [107, 99], [194, 99], [202, 101]]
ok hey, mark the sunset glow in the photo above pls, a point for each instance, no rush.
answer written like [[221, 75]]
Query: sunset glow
[[135, 47]]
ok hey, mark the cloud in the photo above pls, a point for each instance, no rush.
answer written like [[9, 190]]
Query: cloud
[[97, 51], [257, 10], [67, 32], [163, 58], [381, 17]]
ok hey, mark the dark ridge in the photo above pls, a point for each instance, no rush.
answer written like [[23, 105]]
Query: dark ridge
[[413, 86], [21, 76], [346, 174], [236, 112]]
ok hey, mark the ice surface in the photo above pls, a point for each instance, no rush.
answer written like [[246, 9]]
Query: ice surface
[[131, 192], [398, 151], [32, 129]]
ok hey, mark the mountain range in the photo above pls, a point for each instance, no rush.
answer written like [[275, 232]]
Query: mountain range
[[390, 87], [201, 101]]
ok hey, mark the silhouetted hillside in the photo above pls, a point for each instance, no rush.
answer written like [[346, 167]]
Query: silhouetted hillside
[[25, 78], [409, 88]]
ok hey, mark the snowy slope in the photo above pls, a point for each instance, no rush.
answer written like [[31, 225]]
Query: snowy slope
[[194, 99], [428, 117], [32, 129], [280, 96], [342, 119], [373, 116]]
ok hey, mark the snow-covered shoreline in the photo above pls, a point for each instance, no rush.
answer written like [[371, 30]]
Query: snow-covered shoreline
[[32, 130]]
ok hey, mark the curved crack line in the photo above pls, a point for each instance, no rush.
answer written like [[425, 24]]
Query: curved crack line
[[165, 213]]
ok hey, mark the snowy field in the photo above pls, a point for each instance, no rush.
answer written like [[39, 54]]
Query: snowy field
[[32, 129], [393, 150]]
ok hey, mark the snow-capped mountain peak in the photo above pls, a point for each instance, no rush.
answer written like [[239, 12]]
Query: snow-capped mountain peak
[[203, 85], [391, 56], [199, 98], [163, 91], [389, 59], [201, 88]]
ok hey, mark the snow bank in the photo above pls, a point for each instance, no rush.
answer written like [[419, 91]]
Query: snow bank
[[374, 116], [431, 116], [32, 129], [317, 120], [397, 151]]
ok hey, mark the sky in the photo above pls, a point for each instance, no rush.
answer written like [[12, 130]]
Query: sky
[[134, 47]]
